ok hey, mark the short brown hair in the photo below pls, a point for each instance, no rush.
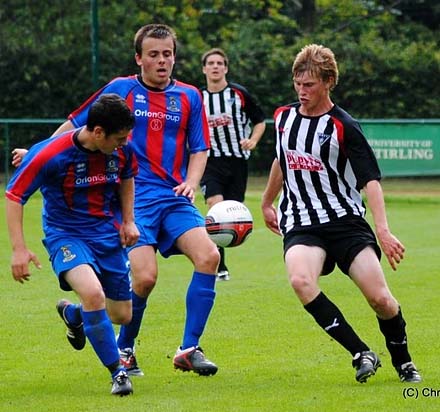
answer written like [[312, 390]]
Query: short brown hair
[[156, 31], [215, 50], [319, 61]]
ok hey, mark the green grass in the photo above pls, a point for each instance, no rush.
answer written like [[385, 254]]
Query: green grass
[[271, 355]]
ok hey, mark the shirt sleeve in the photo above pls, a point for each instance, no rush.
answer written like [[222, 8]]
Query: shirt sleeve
[[198, 131], [131, 167], [118, 86], [362, 158], [29, 176], [250, 107]]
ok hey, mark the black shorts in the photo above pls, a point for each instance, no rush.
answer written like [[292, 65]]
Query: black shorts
[[342, 240], [225, 176]]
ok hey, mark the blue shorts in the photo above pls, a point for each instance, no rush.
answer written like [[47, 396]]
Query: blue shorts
[[162, 221], [106, 256]]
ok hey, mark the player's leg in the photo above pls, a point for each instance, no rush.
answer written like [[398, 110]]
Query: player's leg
[[119, 311], [222, 271], [214, 185], [306, 259], [234, 188], [144, 271], [304, 266], [203, 253], [368, 275], [97, 325]]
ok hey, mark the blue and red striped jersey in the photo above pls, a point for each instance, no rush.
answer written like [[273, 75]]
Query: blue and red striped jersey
[[170, 124], [79, 187]]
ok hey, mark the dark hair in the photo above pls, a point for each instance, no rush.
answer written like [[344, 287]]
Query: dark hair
[[215, 50], [156, 31], [112, 113]]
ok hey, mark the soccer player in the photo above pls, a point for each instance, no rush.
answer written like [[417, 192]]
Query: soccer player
[[236, 125], [86, 177], [171, 141], [322, 162]]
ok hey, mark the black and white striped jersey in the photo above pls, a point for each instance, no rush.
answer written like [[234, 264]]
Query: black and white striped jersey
[[230, 114], [325, 161]]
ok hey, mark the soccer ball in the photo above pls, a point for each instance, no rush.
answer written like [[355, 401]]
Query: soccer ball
[[229, 223]]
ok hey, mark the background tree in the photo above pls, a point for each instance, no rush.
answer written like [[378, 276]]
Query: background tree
[[388, 51]]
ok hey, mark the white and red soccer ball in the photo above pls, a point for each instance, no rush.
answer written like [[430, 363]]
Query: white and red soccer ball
[[229, 223]]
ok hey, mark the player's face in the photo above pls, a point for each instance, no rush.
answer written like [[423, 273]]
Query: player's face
[[215, 68], [108, 144], [156, 61], [313, 94]]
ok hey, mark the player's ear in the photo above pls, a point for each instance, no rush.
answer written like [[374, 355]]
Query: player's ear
[[331, 83], [138, 59], [99, 132]]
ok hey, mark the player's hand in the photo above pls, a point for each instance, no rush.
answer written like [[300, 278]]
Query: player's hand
[[129, 234], [20, 264], [270, 218], [185, 189], [248, 144], [393, 249], [17, 156]]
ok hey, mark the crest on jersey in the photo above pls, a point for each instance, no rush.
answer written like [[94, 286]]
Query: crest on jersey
[[323, 138], [67, 253], [112, 166], [172, 104]]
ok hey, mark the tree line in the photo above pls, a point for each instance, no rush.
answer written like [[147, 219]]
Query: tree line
[[388, 51]]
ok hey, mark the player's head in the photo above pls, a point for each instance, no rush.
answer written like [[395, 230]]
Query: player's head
[[215, 65], [155, 46], [111, 113], [215, 51], [154, 31], [319, 62]]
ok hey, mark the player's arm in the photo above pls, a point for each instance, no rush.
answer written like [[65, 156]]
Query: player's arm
[[21, 255], [256, 115], [128, 232], [196, 167], [273, 188], [390, 245], [66, 126], [18, 153], [257, 133]]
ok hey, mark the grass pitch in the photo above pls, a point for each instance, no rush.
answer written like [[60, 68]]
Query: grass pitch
[[271, 354]]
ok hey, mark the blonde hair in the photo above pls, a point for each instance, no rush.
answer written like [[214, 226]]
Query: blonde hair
[[319, 61]]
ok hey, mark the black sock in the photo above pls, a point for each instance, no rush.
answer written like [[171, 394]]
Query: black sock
[[113, 368], [330, 318], [222, 264], [395, 338]]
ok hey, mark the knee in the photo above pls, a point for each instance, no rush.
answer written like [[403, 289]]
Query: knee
[[384, 305], [300, 283], [143, 282], [94, 299], [208, 261], [121, 318]]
